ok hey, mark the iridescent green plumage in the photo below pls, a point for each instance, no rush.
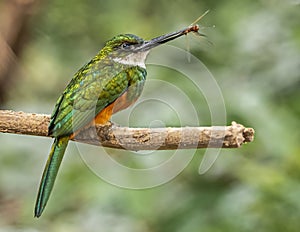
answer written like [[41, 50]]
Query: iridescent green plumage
[[96, 85], [54, 160], [89, 93], [114, 77]]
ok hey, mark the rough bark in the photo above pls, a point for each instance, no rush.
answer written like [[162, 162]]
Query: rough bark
[[111, 135]]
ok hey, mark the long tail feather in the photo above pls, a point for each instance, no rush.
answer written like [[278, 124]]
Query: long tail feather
[[56, 155]]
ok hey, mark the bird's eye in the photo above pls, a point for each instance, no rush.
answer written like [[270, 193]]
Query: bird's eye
[[126, 45]]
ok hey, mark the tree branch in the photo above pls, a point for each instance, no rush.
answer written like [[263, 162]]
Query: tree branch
[[111, 135]]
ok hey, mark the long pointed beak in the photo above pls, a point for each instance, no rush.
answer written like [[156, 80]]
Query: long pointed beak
[[167, 37]]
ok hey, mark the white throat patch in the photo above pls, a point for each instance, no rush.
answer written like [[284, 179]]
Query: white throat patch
[[134, 59]]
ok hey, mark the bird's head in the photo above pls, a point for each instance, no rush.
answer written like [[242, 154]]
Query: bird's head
[[132, 50]]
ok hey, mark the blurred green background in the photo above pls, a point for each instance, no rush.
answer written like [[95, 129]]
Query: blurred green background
[[255, 58]]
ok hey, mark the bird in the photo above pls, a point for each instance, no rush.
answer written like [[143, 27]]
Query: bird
[[110, 82]]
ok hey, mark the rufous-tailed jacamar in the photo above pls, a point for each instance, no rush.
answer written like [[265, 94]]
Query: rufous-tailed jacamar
[[110, 82]]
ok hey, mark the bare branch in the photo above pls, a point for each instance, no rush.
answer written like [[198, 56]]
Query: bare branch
[[111, 135]]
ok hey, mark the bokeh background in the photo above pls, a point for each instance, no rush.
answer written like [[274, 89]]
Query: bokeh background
[[253, 51]]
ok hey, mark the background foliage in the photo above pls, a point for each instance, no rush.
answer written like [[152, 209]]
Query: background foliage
[[255, 58]]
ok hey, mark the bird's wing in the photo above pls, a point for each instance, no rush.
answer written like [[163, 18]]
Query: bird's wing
[[89, 92]]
